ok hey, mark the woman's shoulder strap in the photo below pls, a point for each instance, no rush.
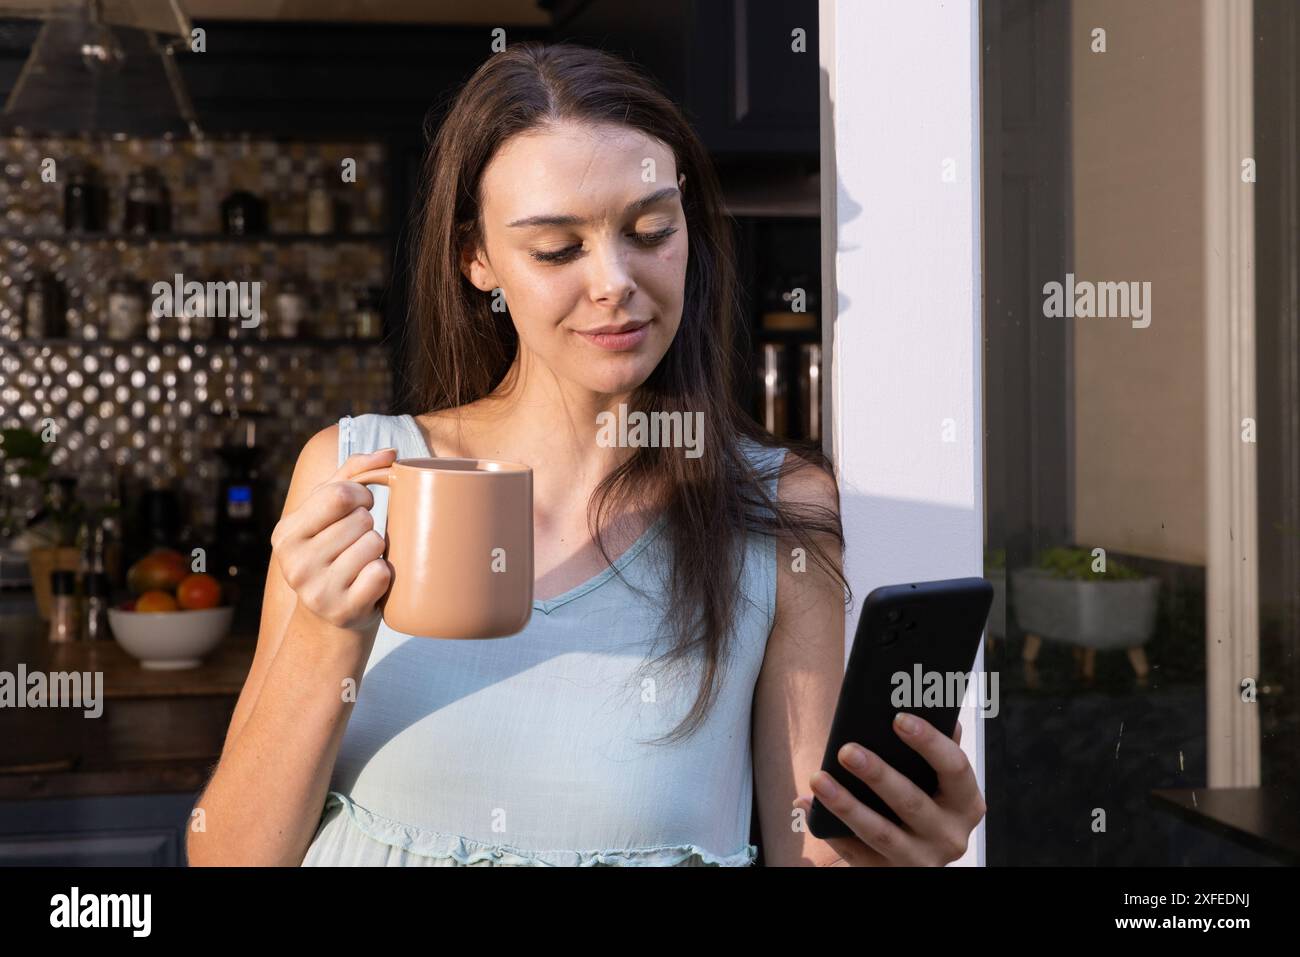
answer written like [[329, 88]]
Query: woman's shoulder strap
[[765, 460], [368, 432]]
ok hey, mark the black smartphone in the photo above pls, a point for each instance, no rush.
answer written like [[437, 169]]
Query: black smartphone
[[913, 652]]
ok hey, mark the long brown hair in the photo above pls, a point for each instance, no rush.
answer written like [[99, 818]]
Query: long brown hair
[[458, 349]]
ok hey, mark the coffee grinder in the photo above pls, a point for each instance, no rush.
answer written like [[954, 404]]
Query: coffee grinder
[[243, 537]]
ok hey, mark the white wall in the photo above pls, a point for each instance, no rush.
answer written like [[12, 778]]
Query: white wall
[[901, 96]]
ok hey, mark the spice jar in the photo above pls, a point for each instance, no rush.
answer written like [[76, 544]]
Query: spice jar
[[320, 205], [65, 622], [45, 307], [290, 310], [126, 309], [243, 214], [368, 320], [147, 207], [83, 200]]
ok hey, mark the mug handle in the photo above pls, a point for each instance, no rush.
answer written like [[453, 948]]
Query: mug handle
[[374, 476]]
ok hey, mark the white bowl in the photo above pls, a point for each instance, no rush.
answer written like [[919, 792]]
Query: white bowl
[[168, 640]]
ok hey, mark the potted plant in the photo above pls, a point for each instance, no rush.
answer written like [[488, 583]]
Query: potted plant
[[1062, 599], [50, 536]]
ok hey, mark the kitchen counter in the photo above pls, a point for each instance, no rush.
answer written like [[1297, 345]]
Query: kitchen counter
[[155, 731], [1261, 818]]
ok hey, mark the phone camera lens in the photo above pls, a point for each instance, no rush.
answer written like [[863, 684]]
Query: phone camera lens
[[892, 615], [891, 636], [910, 626]]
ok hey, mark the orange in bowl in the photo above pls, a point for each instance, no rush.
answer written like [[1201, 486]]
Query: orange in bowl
[[155, 601], [160, 570], [198, 591]]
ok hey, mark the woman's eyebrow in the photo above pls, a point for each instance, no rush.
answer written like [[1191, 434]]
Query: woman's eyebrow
[[632, 207]]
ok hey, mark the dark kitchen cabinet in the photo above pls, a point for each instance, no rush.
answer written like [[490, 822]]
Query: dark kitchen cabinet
[[145, 830], [115, 787], [731, 64]]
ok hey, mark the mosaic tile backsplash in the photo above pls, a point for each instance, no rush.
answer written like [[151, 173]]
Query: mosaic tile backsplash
[[157, 409]]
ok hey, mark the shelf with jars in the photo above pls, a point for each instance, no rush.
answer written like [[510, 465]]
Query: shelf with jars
[[135, 239], [295, 310], [299, 342], [100, 240]]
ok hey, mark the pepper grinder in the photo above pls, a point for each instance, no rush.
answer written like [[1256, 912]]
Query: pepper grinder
[[64, 620], [98, 597], [96, 585]]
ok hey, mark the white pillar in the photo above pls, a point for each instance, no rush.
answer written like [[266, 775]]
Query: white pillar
[[901, 287], [1232, 546]]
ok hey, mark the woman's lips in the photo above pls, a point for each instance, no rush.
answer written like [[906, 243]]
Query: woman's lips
[[618, 341]]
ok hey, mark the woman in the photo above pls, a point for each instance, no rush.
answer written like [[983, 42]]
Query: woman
[[565, 185]]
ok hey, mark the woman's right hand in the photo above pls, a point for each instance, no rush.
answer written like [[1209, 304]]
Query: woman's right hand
[[329, 552]]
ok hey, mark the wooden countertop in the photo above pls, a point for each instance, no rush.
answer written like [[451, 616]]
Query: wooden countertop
[[158, 731], [221, 673]]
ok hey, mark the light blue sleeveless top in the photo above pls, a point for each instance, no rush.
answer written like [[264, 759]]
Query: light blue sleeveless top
[[531, 750]]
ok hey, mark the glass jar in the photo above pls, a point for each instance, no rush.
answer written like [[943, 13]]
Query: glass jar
[[126, 314], [291, 307], [83, 200], [320, 205], [45, 308], [146, 203], [243, 214], [368, 320]]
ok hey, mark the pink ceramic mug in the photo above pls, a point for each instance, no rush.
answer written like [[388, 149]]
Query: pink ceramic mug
[[459, 537]]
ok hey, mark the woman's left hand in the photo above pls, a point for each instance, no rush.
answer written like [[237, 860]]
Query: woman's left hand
[[936, 828]]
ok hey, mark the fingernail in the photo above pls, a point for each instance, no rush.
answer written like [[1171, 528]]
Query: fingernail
[[906, 723], [854, 757], [825, 785], [382, 451]]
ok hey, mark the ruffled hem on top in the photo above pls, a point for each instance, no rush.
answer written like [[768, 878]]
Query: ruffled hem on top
[[436, 847]]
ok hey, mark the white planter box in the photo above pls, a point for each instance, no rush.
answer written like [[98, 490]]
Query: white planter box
[[1090, 614]]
